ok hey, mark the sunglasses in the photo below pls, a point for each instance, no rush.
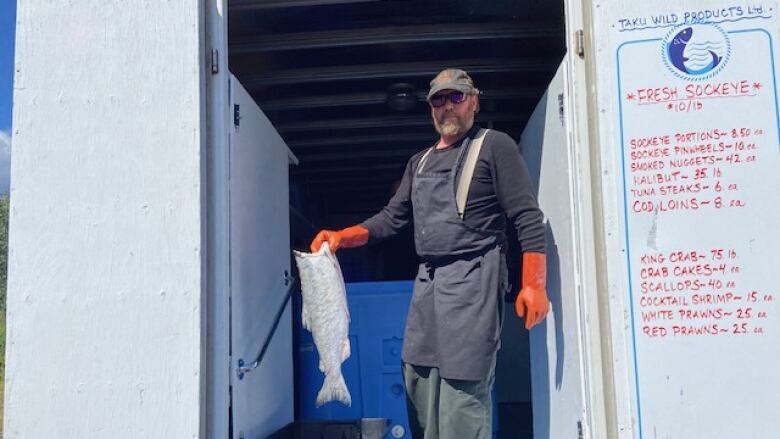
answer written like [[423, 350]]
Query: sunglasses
[[455, 97]]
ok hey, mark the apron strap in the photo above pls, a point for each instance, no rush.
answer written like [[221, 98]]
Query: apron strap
[[423, 158], [468, 171]]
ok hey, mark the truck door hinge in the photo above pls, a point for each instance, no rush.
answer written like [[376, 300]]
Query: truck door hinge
[[561, 109], [580, 432], [236, 115], [214, 61], [580, 43]]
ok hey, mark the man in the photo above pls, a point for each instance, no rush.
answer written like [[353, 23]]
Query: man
[[454, 322]]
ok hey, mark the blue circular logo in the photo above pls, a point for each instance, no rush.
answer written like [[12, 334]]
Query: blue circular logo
[[697, 51]]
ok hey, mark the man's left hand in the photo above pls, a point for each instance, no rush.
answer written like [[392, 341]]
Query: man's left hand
[[532, 302]]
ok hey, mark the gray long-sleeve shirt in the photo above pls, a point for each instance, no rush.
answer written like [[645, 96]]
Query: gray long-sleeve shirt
[[500, 189]]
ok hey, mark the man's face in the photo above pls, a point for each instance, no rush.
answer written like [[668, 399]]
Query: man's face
[[453, 118]]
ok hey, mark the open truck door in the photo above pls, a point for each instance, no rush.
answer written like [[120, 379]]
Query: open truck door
[[260, 309], [558, 375]]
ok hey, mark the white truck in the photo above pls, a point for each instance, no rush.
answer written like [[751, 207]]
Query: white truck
[[149, 225]]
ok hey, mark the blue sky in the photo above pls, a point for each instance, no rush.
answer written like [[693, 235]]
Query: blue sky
[[7, 30]]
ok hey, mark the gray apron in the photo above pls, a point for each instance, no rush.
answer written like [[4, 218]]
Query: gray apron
[[454, 320]]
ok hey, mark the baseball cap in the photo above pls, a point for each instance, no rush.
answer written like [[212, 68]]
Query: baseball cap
[[452, 79]]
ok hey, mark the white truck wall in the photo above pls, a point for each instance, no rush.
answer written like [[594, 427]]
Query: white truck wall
[[688, 137], [105, 266]]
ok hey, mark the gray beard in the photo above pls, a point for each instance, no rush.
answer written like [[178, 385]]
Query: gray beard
[[448, 128], [452, 128]]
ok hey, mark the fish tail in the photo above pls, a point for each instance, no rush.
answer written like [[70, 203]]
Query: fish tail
[[334, 389], [715, 58]]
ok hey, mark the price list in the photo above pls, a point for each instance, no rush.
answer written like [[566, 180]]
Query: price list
[[698, 196], [698, 291], [685, 171]]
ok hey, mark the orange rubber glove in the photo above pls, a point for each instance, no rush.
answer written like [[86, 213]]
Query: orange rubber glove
[[354, 236], [532, 300]]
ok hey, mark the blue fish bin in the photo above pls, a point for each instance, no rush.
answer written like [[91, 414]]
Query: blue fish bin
[[373, 371]]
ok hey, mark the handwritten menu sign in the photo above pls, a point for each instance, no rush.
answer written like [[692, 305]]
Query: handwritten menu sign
[[700, 148]]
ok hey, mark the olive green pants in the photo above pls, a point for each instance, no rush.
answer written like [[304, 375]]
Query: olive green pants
[[441, 408]]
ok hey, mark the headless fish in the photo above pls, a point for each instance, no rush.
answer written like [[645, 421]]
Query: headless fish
[[326, 316]]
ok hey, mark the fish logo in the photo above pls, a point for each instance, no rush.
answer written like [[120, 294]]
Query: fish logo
[[696, 52]]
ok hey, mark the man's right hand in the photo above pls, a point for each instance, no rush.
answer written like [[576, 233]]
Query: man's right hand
[[354, 236]]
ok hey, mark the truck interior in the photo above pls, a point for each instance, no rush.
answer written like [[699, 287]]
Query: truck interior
[[344, 84]]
